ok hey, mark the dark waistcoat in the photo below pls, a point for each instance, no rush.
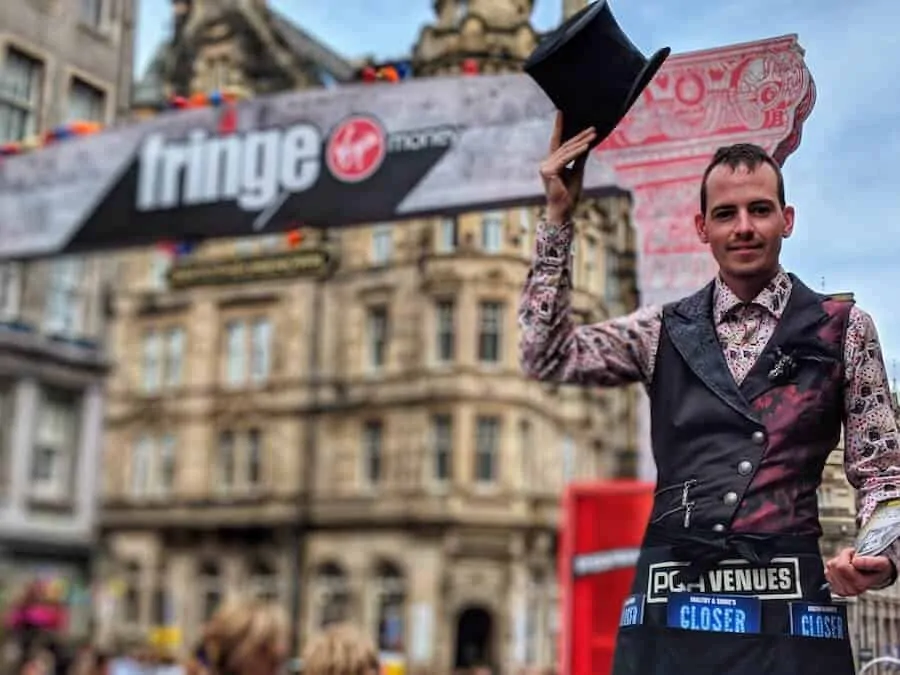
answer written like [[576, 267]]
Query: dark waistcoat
[[746, 458]]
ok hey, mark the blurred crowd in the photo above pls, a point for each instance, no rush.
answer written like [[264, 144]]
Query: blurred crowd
[[242, 638]]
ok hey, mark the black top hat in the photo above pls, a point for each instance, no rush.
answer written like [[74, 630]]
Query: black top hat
[[591, 71]]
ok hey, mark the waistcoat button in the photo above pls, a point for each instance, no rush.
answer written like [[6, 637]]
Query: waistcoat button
[[730, 498], [718, 527], [745, 468], [758, 437]]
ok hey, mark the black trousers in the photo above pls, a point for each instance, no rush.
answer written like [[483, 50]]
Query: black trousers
[[651, 647]]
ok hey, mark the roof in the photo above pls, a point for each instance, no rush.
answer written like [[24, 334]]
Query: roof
[[149, 90]]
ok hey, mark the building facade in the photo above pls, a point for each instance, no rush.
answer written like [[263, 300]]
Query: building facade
[[358, 442], [59, 62]]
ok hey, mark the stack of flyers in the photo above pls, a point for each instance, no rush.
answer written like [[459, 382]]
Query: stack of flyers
[[882, 529]]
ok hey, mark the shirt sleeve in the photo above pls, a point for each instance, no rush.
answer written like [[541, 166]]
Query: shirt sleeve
[[552, 347], [871, 439]]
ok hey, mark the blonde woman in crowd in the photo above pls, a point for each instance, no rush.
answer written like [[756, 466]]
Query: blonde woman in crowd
[[242, 638], [340, 650]]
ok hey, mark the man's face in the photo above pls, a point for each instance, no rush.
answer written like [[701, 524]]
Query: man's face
[[744, 223]]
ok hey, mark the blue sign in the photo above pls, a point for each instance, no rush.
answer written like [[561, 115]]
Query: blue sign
[[632, 611], [814, 620], [714, 613]]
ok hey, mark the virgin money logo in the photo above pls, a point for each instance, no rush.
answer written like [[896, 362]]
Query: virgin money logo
[[356, 149]]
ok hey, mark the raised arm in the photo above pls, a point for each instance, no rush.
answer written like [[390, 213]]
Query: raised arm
[[553, 348]]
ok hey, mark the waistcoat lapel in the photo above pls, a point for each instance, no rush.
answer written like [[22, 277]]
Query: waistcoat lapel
[[689, 326], [794, 335]]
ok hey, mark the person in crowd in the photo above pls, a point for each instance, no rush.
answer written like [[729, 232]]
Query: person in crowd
[[244, 637], [340, 649]]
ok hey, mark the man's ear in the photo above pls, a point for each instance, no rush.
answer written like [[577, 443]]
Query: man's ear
[[700, 225], [788, 212]]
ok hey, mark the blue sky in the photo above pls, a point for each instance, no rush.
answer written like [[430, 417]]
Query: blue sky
[[843, 180]]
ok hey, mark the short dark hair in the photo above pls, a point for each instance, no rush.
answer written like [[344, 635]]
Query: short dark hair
[[742, 154]]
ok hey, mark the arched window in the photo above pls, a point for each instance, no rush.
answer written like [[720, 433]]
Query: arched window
[[210, 587], [264, 580], [390, 605], [332, 592]]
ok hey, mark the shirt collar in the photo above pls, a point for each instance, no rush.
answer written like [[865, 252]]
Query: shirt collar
[[772, 298]]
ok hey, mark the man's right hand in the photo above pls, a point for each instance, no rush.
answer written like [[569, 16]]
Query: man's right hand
[[563, 183]]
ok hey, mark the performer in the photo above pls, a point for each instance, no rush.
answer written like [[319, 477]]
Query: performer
[[749, 381]]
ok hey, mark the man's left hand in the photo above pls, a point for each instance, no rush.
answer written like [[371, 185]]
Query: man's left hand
[[850, 574]]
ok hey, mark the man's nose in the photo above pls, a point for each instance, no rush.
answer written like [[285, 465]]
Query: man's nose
[[742, 224]]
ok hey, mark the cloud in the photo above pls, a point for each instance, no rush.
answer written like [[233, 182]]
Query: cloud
[[842, 179]]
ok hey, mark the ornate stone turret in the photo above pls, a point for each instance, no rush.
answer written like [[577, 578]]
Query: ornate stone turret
[[494, 34]]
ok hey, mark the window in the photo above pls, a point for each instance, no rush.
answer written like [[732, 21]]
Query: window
[[163, 358], [86, 103], [141, 460], [390, 600], [65, 310], [91, 12], [529, 473], [21, 84], [373, 433], [10, 290], [525, 232], [487, 449], [240, 463], [590, 264], [448, 236], [56, 438], [446, 342], [492, 232], [131, 598], [7, 411], [227, 464], [442, 447], [490, 332], [248, 340], [153, 467], [613, 290], [210, 585], [377, 331], [382, 244], [174, 356], [260, 350], [568, 458]]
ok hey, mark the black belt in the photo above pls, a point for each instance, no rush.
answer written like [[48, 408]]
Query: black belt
[[703, 552]]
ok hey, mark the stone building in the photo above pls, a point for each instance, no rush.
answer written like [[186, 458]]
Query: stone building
[[358, 442], [59, 62]]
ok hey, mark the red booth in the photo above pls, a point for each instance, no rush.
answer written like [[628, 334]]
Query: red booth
[[601, 532]]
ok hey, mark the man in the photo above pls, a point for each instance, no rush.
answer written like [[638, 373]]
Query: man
[[749, 382]]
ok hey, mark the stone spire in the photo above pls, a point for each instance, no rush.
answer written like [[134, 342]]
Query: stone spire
[[496, 35]]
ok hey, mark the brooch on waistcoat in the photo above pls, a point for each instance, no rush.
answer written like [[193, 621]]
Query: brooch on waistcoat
[[784, 367]]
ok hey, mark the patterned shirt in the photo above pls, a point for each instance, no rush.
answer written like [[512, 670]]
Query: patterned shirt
[[623, 351]]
